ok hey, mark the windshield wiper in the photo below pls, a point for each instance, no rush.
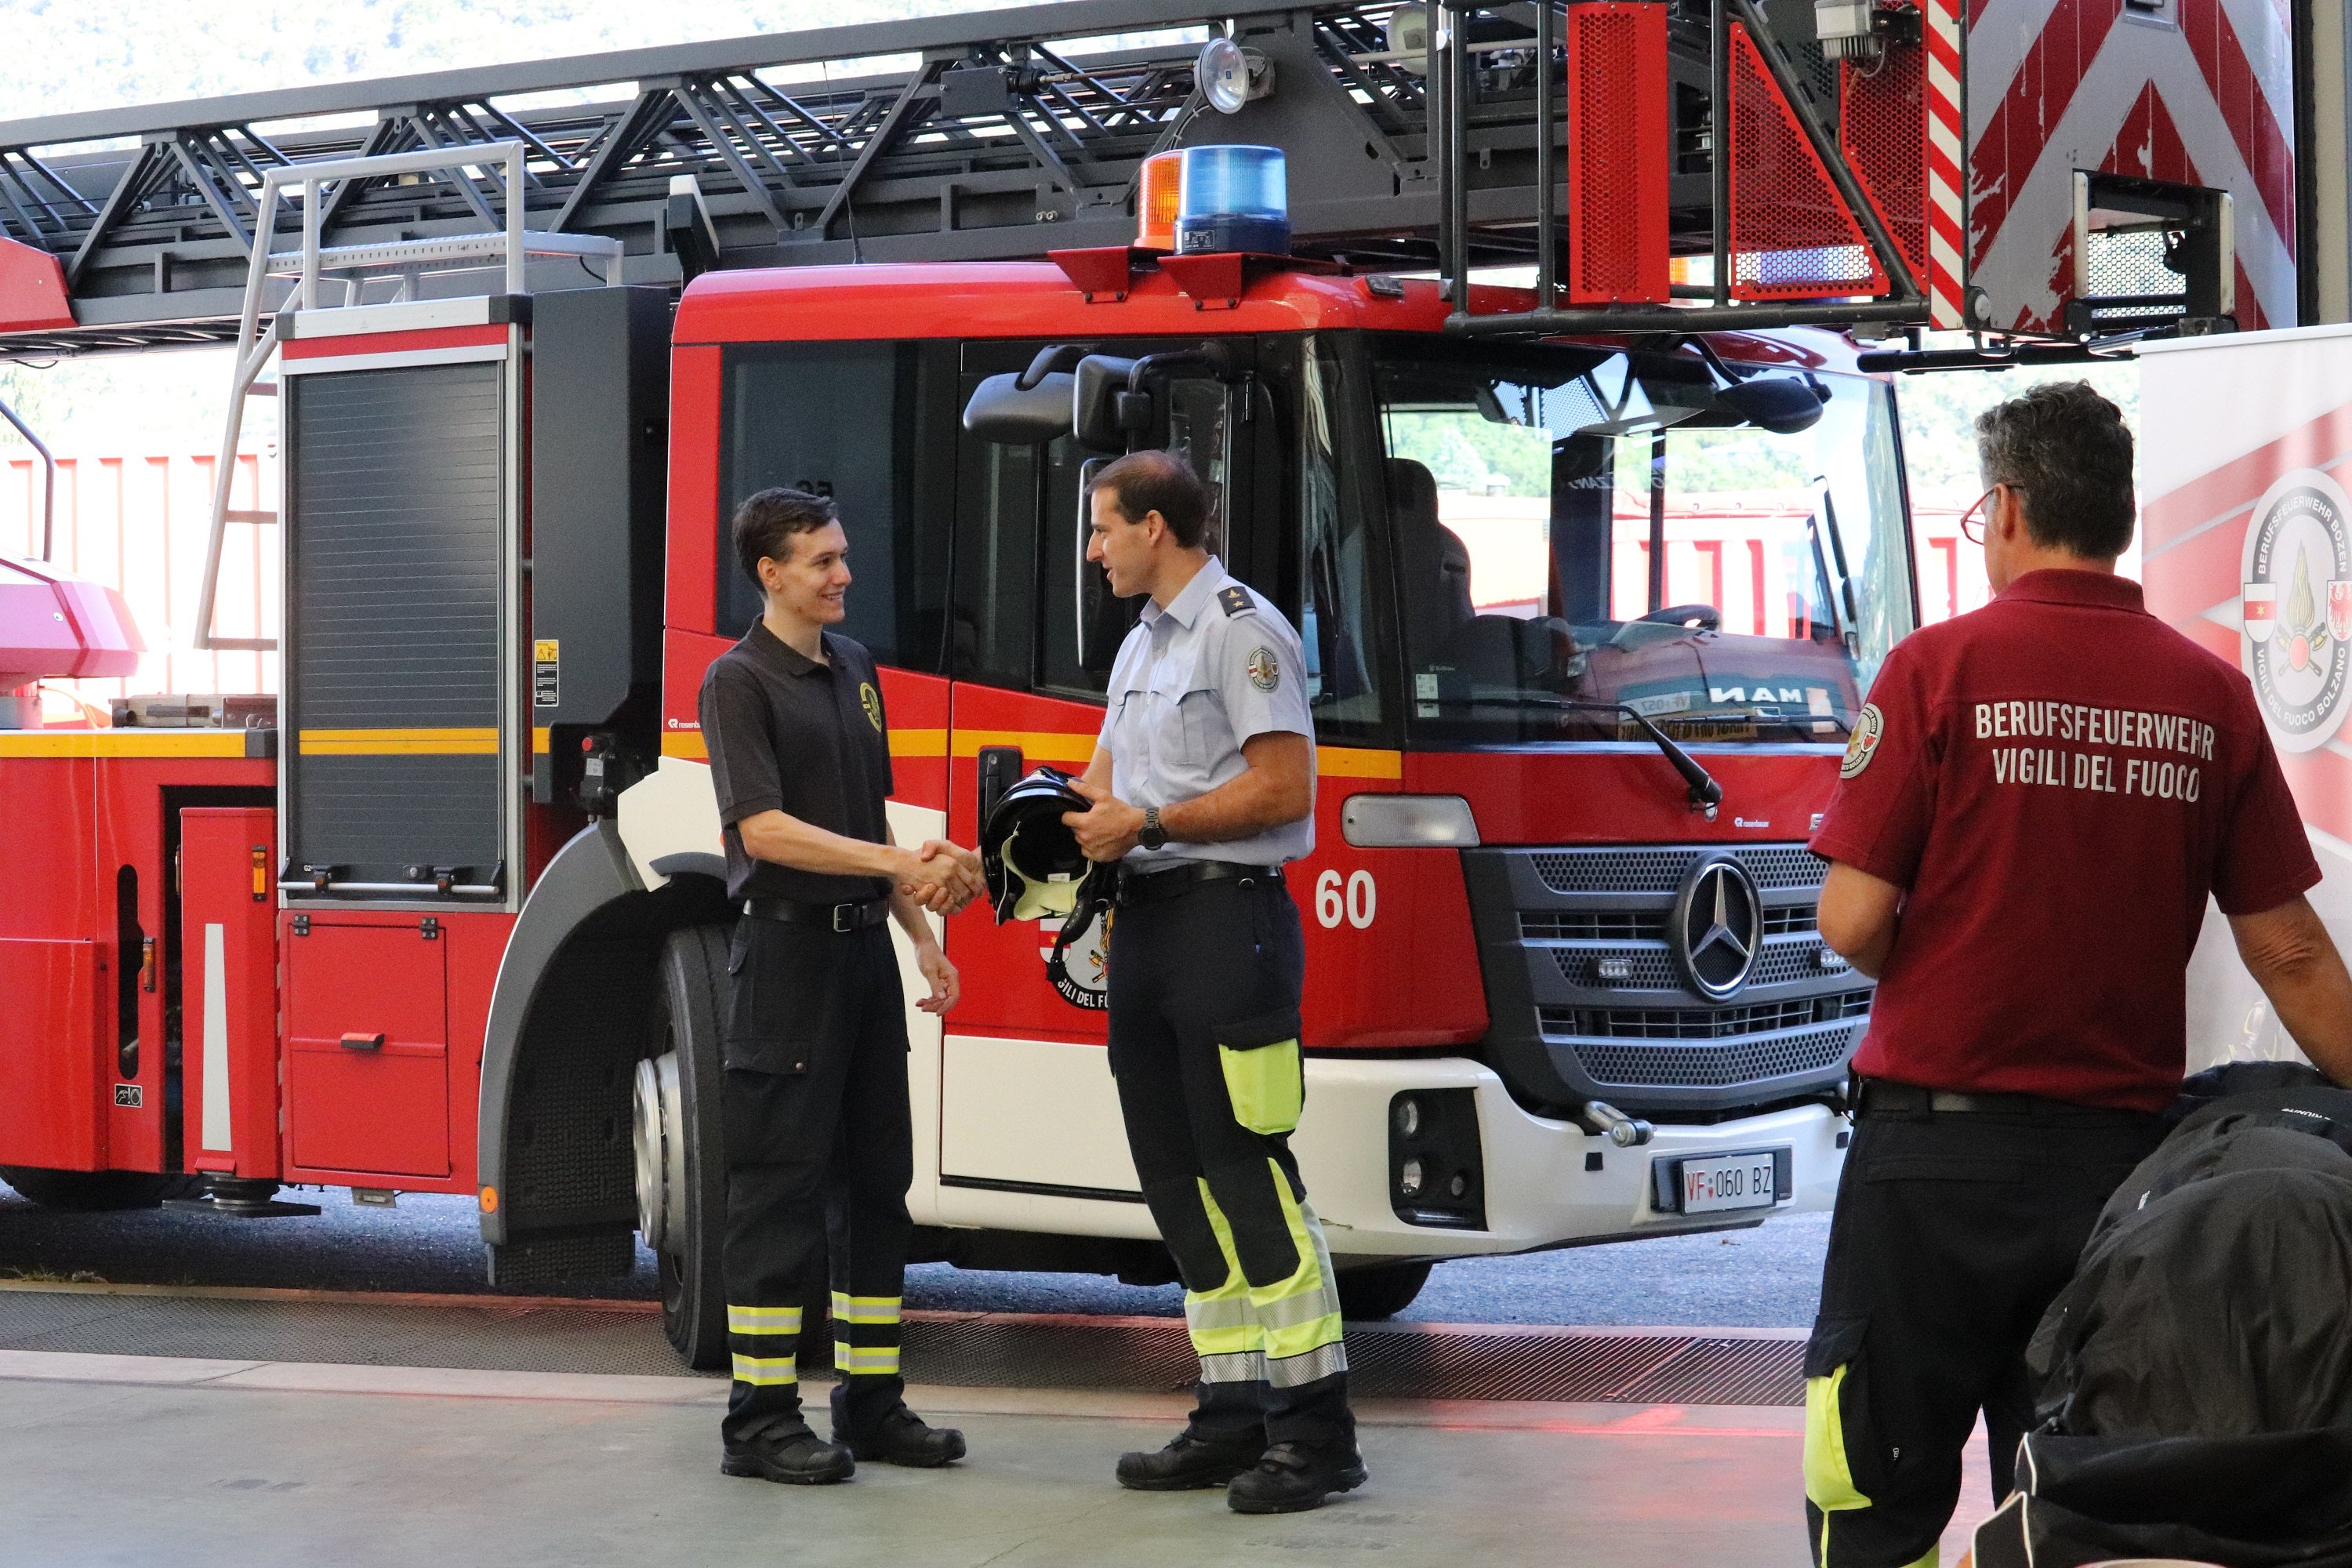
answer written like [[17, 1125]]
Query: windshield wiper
[[1705, 795]]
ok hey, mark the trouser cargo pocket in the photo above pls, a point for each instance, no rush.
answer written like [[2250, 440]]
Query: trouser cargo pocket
[[1264, 1076], [1837, 1423]]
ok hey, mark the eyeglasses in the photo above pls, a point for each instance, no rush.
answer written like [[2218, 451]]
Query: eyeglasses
[[1972, 521]]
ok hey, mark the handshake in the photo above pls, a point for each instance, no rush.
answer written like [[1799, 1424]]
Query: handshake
[[941, 876]]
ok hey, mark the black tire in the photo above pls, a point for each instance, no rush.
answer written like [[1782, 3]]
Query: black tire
[[689, 1002], [95, 1192], [1382, 1291]]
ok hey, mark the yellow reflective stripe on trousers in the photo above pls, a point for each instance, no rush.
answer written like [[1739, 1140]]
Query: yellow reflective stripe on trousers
[[1220, 1321], [763, 1320], [765, 1372], [1301, 1313], [865, 1309], [1828, 1479], [865, 1359]]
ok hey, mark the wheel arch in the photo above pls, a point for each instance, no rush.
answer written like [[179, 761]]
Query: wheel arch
[[565, 1032]]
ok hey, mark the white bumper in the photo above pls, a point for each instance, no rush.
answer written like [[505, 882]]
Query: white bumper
[[1539, 1189]]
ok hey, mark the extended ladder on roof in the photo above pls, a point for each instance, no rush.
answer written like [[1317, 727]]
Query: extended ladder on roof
[[1656, 164]]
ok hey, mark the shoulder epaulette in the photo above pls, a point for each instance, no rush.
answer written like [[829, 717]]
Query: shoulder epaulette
[[1237, 600]]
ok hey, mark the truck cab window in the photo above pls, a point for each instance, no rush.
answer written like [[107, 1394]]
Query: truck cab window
[[1578, 528], [853, 421], [1336, 601]]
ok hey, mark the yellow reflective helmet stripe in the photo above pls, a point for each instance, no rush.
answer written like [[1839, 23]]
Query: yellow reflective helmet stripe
[[765, 1372], [763, 1320]]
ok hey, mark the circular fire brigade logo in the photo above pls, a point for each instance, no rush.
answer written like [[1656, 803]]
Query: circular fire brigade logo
[[2295, 608], [1265, 669], [1869, 727], [1078, 976]]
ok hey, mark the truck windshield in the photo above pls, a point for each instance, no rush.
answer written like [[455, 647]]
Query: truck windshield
[[1578, 529]]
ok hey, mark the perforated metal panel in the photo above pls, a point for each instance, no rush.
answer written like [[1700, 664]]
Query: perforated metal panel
[[1882, 131], [396, 545], [1792, 236], [1618, 148], [1709, 1063]]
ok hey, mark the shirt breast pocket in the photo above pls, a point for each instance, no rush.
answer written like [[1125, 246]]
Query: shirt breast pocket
[[1193, 731]]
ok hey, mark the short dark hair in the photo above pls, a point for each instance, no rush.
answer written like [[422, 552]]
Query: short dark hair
[[2070, 451], [1153, 480], [766, 523]]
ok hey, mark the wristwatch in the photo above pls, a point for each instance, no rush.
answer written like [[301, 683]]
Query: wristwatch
[[1153, 835]]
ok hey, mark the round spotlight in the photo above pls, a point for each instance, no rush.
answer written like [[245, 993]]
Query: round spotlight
[[1407, 1117], [1223, 73], [1409, 1179]]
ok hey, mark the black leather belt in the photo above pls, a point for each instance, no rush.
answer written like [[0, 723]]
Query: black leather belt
[[1878, 1096], [1140, 886], [833, 917]]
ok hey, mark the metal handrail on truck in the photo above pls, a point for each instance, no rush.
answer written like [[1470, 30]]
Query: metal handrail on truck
[[256, 341]]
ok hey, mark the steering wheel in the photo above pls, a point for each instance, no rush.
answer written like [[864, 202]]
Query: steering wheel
[[1706, 617]]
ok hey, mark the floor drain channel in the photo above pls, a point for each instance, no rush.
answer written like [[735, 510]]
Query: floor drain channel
[[1400, 1361]]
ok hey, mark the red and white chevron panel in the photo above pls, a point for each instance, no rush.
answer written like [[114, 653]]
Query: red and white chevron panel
[[1947, 211], [2195, 91]]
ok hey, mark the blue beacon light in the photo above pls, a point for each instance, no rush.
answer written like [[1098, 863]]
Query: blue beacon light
[[1233, 199]]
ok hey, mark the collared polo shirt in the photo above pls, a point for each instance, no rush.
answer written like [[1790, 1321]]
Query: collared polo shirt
[[786, 734], [1218, 667], [2057, 781]]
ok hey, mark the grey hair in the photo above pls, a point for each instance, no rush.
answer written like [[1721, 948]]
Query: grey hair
[[2069, 450]]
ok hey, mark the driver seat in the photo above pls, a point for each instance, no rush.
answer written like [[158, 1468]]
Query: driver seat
[[1435, 562]]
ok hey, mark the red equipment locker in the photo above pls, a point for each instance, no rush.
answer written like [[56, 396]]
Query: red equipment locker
[[367, 1046], [229, 963], [50, 1055]]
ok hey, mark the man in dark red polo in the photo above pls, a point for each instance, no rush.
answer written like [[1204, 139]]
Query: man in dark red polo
[[2036, 803]]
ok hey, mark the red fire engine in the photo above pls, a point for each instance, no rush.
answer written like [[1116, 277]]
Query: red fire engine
[[1591, 586]]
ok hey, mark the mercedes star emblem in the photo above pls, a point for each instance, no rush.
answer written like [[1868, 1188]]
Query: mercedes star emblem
[[1719, 928]]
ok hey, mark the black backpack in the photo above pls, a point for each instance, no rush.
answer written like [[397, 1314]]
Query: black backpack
[[2195, 1377]]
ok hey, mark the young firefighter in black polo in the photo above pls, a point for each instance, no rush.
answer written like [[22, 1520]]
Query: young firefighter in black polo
[[816, 1039], [1204, 786]]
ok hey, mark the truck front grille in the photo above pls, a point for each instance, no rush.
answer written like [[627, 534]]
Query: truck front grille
[[1580, 961], [1714, 1066]]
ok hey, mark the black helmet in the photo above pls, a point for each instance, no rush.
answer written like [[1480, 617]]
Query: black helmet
[[1032, 859]]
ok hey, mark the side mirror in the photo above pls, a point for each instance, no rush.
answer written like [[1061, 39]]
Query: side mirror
[[1102, 412], [1781, 404], [1004, 412]]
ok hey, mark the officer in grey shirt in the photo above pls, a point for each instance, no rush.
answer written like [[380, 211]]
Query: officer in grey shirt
[[1204, 786]]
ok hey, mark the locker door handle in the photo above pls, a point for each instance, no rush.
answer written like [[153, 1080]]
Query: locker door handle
[[363, 1042], [147, 965]]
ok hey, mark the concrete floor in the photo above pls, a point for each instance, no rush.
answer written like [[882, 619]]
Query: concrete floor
[[136, 1460]]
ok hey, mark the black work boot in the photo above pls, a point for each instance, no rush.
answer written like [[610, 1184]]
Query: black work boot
[[904, 1438], [1295, 1477], [1189, 1463], [795, 1454]]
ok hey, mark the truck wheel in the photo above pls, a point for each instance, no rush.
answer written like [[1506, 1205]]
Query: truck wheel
[[1380, 1291], [93, 1192], [681, 1167]]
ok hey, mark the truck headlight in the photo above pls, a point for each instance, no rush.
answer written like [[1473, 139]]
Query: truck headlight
[[1408, 822]]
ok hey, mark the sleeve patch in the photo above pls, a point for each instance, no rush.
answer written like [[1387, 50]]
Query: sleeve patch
[[1869, 727], [1237, 600], [1265, 669]]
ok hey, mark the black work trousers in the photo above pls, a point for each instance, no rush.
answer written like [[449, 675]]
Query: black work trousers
[[1204, 991], [819, 1155], [1953, 1233]]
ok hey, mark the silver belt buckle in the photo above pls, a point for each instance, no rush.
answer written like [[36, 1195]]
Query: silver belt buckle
[[841, 916]]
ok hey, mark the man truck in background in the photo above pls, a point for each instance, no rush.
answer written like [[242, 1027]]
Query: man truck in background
[[1590, 585]]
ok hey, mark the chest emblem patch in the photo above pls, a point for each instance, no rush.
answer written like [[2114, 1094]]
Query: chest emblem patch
[[1265, 669], [2295, 608], [1869, 727], [871, 700]]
